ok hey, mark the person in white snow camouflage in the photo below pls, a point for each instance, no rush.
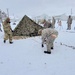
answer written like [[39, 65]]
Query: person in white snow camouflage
[[48, 36]]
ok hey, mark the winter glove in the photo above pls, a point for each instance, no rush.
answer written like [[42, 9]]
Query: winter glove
[[12, 31], [42, 45], [8, 22]]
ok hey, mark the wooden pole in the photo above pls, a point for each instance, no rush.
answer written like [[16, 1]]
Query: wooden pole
[[8, 12]]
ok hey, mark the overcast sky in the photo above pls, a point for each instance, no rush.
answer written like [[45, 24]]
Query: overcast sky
[[38, 7]]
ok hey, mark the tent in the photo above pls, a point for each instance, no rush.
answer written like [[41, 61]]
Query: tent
[[26, 27]]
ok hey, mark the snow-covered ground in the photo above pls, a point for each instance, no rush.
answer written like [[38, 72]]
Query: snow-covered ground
[[26, 56]]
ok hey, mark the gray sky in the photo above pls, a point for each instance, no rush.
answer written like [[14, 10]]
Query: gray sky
[[38, 7]]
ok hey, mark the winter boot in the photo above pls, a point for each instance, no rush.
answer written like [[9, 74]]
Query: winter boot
[[42, 45], [11, 42], [47, 52], [4, 41], [52, 48]]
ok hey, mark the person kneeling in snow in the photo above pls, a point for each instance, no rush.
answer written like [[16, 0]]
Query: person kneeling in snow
[[48, 36]]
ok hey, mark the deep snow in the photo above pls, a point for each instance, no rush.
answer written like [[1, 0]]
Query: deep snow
[[26, 56]]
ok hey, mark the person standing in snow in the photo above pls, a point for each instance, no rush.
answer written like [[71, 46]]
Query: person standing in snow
[[48, 36], [69, 22], [53, 22], [7, 30], [60, 24], [46, 24]]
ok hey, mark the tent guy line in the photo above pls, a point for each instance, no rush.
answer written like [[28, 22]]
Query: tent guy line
[[73, 47]]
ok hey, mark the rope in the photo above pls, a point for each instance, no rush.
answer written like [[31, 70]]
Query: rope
[[73, 47]]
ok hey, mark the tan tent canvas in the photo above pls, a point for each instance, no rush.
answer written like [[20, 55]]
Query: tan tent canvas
[[26, 27]]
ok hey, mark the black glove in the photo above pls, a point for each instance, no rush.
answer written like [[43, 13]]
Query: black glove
[[12, 31], [9, 22], [42, 45]]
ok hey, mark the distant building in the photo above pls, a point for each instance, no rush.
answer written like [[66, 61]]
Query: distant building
[[62, 17], [38, 19]]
